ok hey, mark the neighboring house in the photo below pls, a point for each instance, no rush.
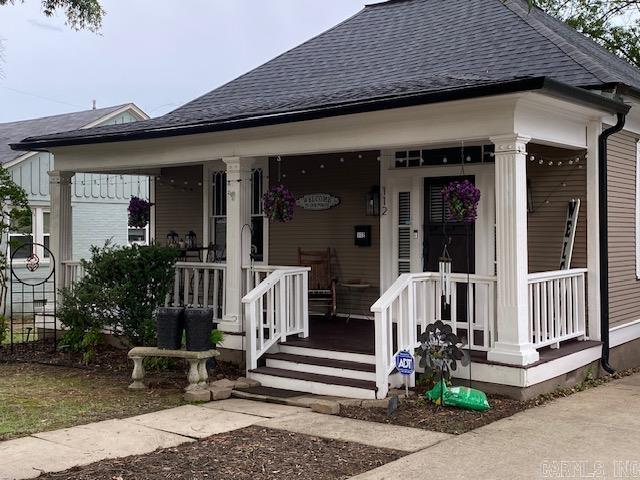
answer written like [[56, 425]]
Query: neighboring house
[[98, 202], [404, 96]]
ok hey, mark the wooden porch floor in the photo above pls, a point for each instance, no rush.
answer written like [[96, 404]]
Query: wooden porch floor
[[358, 336], [338, 334]]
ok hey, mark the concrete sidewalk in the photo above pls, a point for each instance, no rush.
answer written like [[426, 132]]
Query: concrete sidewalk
[[592, 434], [61, 450]]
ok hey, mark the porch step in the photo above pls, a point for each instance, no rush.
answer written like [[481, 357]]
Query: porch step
[[314, 383], [298, 348], [322, 366]]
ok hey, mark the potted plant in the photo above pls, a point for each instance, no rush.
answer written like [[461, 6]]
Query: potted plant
[[139, 212], [216, 338], [198, 324], [278, 204], [462, 200], [169, 327]]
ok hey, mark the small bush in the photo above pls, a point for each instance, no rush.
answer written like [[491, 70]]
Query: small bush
[[120, 291], [4, 330]]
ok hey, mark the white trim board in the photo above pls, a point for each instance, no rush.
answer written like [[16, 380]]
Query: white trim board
[[527, 377], [624, 333]]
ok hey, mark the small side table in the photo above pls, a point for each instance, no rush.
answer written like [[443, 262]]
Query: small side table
[[358, 289]]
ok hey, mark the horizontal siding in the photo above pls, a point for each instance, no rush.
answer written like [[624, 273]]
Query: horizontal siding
[[624, 288], [178, 206], [550, 201], [315, 230]]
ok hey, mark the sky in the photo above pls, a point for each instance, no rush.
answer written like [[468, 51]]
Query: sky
[[158, 54]]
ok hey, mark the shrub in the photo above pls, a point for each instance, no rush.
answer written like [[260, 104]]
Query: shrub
[[120, 291], [4, 330]]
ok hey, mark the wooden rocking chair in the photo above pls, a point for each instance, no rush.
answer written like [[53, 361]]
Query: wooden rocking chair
[[322, 286]]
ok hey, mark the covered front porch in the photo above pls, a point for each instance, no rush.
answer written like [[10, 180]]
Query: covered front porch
[[514, 302]]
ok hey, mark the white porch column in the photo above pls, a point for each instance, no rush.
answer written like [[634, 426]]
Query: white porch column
[[238, 233], [61, 234], [513, 344]]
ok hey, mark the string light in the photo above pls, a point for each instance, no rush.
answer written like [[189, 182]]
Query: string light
[[555, 162]]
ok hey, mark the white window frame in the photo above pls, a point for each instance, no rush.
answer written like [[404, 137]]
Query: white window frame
[[637, 209], [213, 217], [146, 235], [37, 233]]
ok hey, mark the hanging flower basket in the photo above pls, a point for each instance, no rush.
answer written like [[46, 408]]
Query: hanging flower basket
[[462, 200], [139, 212], [278, 204]]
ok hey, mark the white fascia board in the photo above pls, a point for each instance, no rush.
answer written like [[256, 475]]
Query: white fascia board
[[554, 122], [17, 160], [473, 119]]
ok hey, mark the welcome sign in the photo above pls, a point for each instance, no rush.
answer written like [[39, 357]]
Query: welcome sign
[[569, 234], [318, 201]]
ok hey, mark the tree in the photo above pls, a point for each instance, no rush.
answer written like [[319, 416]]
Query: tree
[[14, 213], [614, 24], [80, 14]]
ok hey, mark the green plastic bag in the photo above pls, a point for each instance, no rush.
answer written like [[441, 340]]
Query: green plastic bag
[[462, 397]]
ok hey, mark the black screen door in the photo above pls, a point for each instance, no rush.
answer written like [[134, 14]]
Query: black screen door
[[435, 234]]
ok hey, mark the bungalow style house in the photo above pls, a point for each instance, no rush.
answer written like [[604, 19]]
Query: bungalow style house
[[99, 202], [364, 124]]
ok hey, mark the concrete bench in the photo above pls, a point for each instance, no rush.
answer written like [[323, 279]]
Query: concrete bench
[[197, 376]]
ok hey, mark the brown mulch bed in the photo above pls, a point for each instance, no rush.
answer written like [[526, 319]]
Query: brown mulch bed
[[420, 413], [112, 361], [252, 453]]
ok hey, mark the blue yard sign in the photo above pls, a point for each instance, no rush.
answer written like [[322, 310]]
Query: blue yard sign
[[405, 363]]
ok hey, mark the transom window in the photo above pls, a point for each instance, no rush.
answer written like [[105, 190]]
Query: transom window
[[444, 156]]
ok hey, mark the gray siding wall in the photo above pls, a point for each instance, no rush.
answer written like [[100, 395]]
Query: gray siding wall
[[552, 188], [315, 230], [624, 287], [107, 224]]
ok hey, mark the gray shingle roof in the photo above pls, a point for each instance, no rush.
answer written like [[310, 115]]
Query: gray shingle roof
[[15, 131], [394, 49]]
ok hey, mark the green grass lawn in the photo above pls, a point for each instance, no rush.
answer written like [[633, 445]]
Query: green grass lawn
[[36, 398]]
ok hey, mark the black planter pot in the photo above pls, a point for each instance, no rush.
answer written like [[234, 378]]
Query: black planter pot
[[170, 324], [198, 324]]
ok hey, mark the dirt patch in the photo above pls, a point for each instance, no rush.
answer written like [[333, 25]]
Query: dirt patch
[[252, 453], [421, 413]]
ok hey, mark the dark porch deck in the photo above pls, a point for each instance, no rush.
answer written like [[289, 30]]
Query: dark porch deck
[[358, 336]]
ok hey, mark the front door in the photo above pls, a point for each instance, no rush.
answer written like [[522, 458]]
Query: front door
[[438, 228]]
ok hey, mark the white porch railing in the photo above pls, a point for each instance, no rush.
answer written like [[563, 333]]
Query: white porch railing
[[413, 302], [199, 284], [557, 306], [276, 308], [253, 275], [72, 271]]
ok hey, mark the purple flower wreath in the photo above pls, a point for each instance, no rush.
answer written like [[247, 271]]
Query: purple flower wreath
[[278, 204], [139, 212], [462, 199]]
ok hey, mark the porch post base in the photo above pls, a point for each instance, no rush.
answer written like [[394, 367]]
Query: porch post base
[[513, 354]]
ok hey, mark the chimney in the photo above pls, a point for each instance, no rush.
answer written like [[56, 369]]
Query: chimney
[[94, 105]]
